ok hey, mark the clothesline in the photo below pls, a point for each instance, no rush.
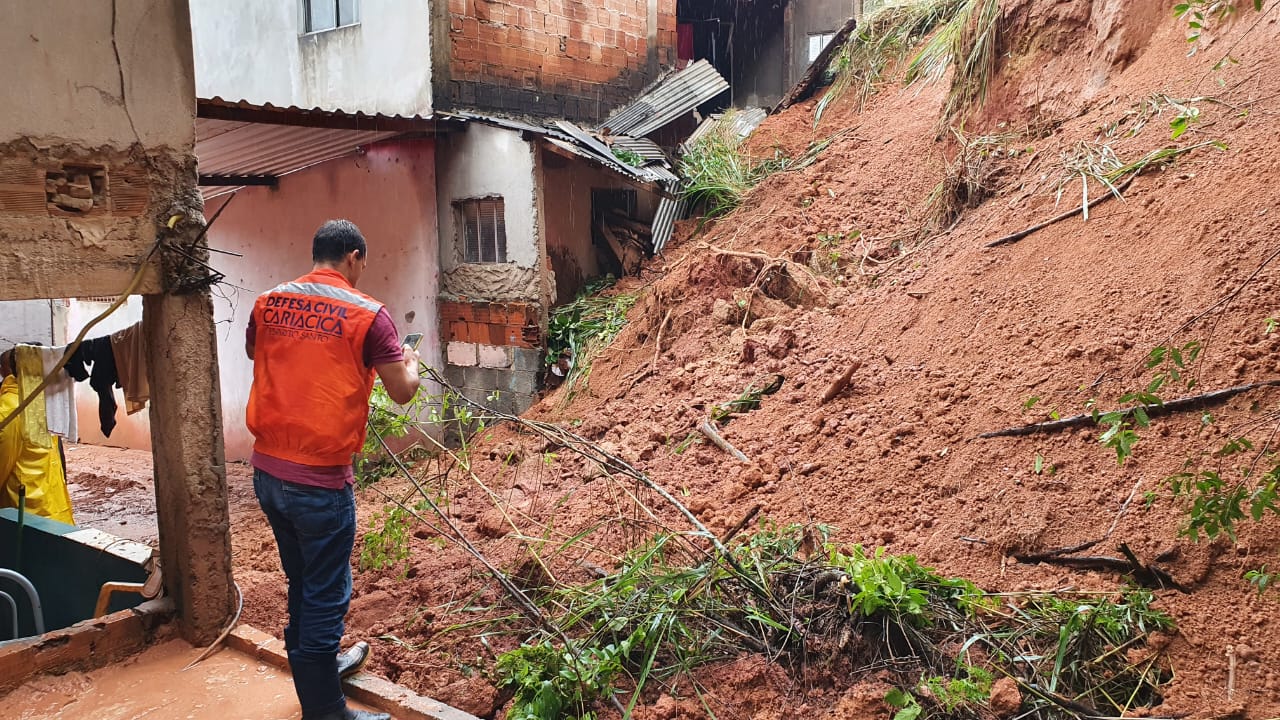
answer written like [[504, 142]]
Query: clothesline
[[107, 362]]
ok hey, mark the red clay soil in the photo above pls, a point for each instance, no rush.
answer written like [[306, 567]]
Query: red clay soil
[[951, 339]]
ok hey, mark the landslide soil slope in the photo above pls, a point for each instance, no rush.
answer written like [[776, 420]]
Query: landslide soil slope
[[951, 339]]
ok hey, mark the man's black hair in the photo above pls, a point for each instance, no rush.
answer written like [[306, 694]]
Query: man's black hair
[[334, 240]]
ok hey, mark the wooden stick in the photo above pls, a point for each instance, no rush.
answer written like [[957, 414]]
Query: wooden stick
[[755, 510], [706, 429], [840, 383], [805, 87], [657, 350], [1015, 237], [1231, 672], [1186, 403]]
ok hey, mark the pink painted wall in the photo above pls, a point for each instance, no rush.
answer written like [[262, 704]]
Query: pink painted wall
[[389, 192], [131, 431]]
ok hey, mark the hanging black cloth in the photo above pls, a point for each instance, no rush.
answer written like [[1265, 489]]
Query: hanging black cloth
[[104, 375]]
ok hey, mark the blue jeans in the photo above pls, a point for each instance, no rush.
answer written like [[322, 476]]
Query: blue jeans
[[315, 529]]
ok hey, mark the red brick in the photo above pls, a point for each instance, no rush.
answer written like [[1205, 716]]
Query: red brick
[[557, 24], [464, 50], [578, 49], [614, 57]]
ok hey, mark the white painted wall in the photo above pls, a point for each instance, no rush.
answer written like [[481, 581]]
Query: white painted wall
[[26, 321], [480, 162], [255, 50], [63, 80]]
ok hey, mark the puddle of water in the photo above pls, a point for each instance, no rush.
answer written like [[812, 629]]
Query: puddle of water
[[152, 686]]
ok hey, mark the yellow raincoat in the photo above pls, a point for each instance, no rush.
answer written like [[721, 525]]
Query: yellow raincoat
[[25, 463]]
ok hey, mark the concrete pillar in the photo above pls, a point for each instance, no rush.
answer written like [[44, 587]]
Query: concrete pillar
[[190, 469]]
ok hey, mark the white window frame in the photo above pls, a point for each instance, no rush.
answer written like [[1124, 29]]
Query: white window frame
[[304, 15], [472, 227], [823, 40]]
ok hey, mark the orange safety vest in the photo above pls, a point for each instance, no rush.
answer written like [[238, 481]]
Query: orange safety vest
[[310, 397]]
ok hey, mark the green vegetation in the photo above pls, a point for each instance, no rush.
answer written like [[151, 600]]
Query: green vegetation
[[885, 37], [960, 693], [387, 545], [1218, 498], [627, 156], [583, 328], [1198, 14], [966, 38], [968, 43], [717, 174], [391, 421], [791, 594]]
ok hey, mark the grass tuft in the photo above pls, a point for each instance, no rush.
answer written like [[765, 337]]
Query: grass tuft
[[794, 596], [966, 38], [718, 174], [886, 37], [968, 181], [583, 328]]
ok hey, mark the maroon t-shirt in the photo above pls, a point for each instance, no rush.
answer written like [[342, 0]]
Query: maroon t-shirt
[[381, 346]]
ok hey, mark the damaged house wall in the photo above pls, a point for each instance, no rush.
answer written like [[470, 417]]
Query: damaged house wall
[[762, 47], [490, 313], [260, 51], [568, 214], [806, 18], [573, 59], [96, 154]]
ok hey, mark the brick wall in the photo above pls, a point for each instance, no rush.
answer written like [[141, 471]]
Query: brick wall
[[493, 352], [513, 324], [577, 59]]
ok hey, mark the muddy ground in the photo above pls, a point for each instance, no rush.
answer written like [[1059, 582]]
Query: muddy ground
[[951, 339]]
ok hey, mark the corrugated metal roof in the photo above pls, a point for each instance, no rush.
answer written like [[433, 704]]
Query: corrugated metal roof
[[216, 108], [744, 122], [567, 136], [678, 94], [504, 122], [671, 207], [644, 147], [240, 139], [224, 147]]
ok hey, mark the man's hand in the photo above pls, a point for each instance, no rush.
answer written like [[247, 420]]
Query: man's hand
[[411, 360], [401, 378]]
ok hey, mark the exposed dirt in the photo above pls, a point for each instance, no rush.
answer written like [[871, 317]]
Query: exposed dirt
[[951, 339]]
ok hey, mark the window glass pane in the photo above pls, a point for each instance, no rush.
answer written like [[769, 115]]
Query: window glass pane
[[321, 15], [488, 243], [483, 230], [500, 223], [817, 43], [348, 12], [471, 229]]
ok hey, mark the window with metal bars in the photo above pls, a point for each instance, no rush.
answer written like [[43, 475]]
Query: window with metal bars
[[318, 15], [484, 230]]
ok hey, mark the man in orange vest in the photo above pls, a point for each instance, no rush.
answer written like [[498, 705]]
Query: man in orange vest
[[316, 345]]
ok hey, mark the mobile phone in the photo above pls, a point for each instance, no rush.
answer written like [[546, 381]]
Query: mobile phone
[[413, 340]]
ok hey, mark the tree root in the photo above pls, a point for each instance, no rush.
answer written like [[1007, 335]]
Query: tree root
[[1015, 237], [1187, 403], [1148, 576]]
